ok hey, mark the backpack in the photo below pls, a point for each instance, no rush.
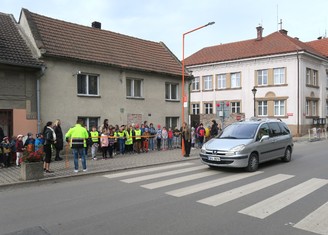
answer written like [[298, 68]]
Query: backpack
[[159, 134], [201, 132]]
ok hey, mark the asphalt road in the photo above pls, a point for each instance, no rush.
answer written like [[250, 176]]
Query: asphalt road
[[180, 198]]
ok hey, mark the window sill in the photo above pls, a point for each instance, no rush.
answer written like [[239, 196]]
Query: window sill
[[167, 100], [89, 96], [135, 98]]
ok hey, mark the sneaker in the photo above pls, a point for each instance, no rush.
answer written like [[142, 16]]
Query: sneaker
[[85, 170], [76, 171]]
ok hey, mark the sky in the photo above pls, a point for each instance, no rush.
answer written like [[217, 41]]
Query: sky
[[167, 20]]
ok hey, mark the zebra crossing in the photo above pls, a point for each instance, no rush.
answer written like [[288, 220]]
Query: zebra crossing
[[315, 222]]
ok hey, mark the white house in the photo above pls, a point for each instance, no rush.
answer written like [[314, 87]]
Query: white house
[[289, 76]]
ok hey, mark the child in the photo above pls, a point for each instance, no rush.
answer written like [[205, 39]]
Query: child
[[146, 136], [39, 141], [170, 138], [193, 137], [138, 141], [6, 151], [176, 137], [19, 149], [94, 142], [164, 138], [29, 143], [104, 143], [111, 142], [159, 137]]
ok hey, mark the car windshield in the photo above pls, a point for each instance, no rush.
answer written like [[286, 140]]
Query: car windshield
[[239, 131]]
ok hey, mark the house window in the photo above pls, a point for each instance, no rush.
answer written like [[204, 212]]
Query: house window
[[221, 81], [195, 84], [171, 91], [208, 82], [311, 108], [235, 80], [262, 77], [171, 122], [263, 108], [87, 84], [279, 76], [235, 107], [208, 107], [134, 88], [279, 108], [90, 122], [195, 109], [312, 77]]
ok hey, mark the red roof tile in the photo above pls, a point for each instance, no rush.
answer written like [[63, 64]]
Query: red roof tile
[[320, 45], [77, 42], [275, 43]]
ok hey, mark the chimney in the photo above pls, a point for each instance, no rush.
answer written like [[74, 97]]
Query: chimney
[[259, 30], [283, 31], [96, 25]]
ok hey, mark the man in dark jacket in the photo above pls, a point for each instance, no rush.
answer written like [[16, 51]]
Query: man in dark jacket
[[59, 139], [214, 129]]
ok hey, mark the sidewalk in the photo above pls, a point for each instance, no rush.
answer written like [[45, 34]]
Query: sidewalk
[[65, 168]]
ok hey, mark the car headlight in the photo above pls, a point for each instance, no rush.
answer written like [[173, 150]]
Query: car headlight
[[237, 148], [203, 149]]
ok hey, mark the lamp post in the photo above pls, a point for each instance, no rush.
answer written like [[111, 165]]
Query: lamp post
[[254, 93], [183, 72]]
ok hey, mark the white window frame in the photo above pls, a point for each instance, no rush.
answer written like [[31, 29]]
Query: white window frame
[[279, 108], [87, 121], [131, 92], [235, 80], [87, 78], [195, 84], [307, 108], [262, 109], [221, 80], [262, 77], [195, 109], [314, 109], [279, 76], [208, 82], [172, 91], [235, 107], [208, 108]]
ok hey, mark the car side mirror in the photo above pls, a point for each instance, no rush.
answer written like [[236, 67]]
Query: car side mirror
[[265, 137]]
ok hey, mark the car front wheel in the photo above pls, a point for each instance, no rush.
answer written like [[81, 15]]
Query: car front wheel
[[253, 163]]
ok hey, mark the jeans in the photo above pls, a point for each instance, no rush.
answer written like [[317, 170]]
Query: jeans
[[151, 143], [121, 143], [76, 153]]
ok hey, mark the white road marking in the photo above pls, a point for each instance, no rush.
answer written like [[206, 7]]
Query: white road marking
[[210, 184], [233, 194], [162, 174], [127, 173], [180, 179], [316, 222], [273, 204]]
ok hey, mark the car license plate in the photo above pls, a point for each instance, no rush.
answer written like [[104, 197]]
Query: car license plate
[[214, 159]]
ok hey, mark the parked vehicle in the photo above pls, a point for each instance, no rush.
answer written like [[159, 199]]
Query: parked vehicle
[[246, 144]]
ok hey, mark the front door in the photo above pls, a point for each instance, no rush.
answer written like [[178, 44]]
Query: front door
[[6, 121]]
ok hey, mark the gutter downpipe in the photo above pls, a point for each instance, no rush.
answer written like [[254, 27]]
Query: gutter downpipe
[[298, 94], [38, 103]]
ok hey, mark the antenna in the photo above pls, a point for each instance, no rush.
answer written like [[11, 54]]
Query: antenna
[[280, 24]]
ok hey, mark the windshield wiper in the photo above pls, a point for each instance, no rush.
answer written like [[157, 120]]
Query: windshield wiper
[[228, 137]]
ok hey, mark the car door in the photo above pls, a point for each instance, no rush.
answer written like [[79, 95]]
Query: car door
[[277, 140], [264, 147]]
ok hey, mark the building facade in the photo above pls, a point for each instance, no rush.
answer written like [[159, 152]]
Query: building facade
[[268, 77], [95, 74]]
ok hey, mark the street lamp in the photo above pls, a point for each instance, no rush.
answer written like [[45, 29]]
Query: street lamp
[[254, 93], [183, 70]]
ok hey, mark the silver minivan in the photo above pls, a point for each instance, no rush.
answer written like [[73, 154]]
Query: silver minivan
[[246, 144]]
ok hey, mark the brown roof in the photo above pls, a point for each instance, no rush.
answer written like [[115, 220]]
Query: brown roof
[[320, 45], [13, 48], [77, 42], [275, 43]]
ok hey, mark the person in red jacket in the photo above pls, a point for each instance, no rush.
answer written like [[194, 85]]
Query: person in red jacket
[[19, 149]]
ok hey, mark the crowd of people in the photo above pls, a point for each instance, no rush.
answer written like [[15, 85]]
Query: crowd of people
[[108, 140]]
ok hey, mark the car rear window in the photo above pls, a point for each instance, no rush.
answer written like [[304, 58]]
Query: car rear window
[[239, 131]]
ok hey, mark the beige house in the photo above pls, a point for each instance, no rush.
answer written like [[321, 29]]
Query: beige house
[[289, 77], [19, 80], [96, 74]]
